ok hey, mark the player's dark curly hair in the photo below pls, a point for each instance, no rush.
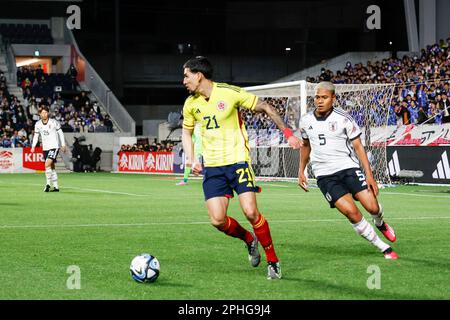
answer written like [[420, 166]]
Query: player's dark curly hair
[[43, 107], [200, 64]]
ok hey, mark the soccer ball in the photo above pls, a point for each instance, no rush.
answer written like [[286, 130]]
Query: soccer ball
[[144, 268]]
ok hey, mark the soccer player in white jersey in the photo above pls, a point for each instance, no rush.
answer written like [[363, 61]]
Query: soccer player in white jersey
[[332, 139], [50, 131], [197, 141]]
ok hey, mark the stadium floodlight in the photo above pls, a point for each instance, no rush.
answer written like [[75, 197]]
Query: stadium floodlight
[[27, 62], [37, 53]]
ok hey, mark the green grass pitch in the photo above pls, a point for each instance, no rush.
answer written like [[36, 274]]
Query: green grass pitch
[[99, 222]]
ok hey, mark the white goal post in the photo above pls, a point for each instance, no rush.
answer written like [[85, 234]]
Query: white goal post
[[273, 159]]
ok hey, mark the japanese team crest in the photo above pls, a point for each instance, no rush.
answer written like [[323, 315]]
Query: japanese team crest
[[221, 106], [332, 126]]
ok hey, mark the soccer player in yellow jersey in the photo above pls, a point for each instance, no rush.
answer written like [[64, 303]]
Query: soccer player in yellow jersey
[[226, 155]]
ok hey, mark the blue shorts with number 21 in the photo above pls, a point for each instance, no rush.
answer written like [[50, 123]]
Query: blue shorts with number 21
[[221, 181]]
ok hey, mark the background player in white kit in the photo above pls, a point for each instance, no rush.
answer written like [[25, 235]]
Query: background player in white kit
[[332, 138], [50, 131], [197, 141]]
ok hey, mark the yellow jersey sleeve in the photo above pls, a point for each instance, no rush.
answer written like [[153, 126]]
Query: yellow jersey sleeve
[[247, 100], [188, 115]]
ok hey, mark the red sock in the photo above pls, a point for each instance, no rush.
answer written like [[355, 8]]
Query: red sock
[[233, 229], [262, 231]]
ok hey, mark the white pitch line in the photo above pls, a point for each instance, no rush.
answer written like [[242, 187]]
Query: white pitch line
[[109, 192], [274, 185], [97, 225], [281, 186], [94, 225], [381, 194], [415, 195], [340, 220], [92, 190]]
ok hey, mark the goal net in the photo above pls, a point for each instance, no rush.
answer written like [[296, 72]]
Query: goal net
[[273, 159]]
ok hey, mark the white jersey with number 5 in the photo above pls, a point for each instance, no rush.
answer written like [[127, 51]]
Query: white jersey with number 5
[[49, 134], [331, 141]]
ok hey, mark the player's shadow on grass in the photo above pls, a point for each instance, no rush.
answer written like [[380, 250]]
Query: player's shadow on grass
[[434, 191], [169, 284], [12, 204], [346, 292], [351, 250], [443, 265]]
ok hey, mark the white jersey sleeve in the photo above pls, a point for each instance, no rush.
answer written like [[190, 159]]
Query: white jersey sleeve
[[303, 132], [57, 124], [36, 134], [351, 128]]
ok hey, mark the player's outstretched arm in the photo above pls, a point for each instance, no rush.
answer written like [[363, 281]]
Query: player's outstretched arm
[[362, 156], [305, 151], [62, 139], [262, 106], [35, 141]]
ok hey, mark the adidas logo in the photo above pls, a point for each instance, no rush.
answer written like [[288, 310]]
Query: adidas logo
[[443, 168], [198, 111], [310, 128], [394, 165]]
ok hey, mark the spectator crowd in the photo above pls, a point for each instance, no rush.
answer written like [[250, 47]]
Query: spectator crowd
[[164, 146], [422, 93], [71, 107]]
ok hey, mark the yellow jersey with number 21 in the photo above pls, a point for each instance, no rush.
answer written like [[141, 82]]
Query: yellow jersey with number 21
[[224, 137]]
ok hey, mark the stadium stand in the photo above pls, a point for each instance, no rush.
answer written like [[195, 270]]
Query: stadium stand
[[70, 106], [85, 108], [422, 93], [74, 110], [26, 33], [141, 146]]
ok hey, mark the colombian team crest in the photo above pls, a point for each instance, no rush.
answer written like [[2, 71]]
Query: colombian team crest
[[221, 106], [332, 126]]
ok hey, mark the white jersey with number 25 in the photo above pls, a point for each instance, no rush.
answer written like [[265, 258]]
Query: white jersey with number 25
[[49, 134]]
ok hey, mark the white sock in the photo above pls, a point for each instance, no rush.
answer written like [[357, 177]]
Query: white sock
[[48, 175], [378, 218], [55, 179], [365, 230]]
